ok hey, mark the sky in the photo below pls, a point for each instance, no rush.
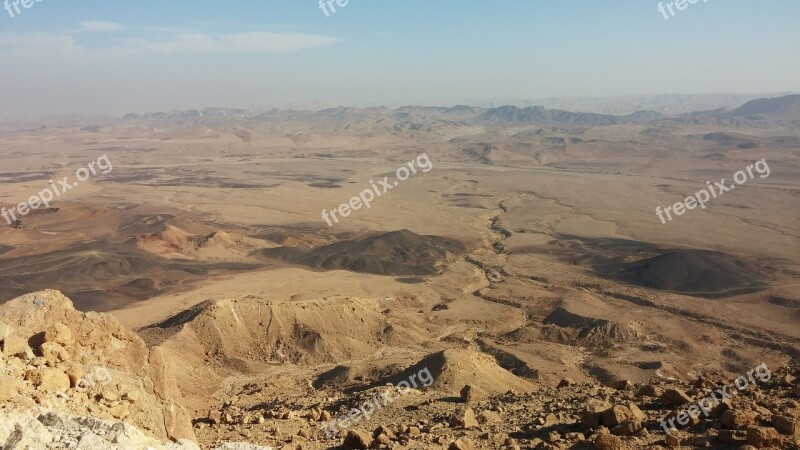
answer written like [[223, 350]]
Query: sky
[[101, 56]]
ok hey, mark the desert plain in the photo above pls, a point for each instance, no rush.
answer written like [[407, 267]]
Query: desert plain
[[527, 255]]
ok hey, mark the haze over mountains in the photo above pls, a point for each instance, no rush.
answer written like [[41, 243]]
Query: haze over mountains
[[601, 108], [422, 119], [505, 113]]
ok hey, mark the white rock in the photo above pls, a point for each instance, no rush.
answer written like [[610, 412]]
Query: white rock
[[182, 444], [5, 331], [91, 441], [240, 446], [58, 430], [9, 421], [32, 435]]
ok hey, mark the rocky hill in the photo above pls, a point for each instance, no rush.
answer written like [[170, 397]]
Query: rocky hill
[[400, 252], [70, 379]]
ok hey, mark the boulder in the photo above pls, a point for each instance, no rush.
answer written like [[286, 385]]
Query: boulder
[[54, 353], [470, 394], [736, 419], [356, 440], [616, 415], [15, 346], [637, 413], [462, 444], [627, 428], [786, 425], [762, 436], [58, 333], [592, 412], [621, 385], [650, 390], [607, 442], [464, 418], [675, 397], [48, 379]]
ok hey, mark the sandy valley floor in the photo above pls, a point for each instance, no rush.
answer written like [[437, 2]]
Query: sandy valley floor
[[531, 250]]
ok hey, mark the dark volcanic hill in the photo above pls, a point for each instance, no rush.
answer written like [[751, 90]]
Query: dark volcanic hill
[[693, 272], [396, 253]]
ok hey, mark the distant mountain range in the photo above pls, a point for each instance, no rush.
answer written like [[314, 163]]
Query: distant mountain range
[[544, 116], [431, 120], [621, 105], [786, 108]]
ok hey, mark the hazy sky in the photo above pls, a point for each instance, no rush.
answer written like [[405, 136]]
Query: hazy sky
[[147, 55]]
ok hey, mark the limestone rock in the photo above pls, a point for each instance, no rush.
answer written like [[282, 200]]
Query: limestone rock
[[464, 419], [59, 334], [489, 417], [48, 379], [9, 387], [650, 390], [621, 385], [382, 429], [60, 430], [31, 435], [462, 444], [785, 425], [54, 353], [240, 446], [14, 346], [5, 331], [592, 412], [736, 419], [672, 441], [762, 436], [725, 405], [356, 440], [616, 415], [675, 397], [607, 442], [627, 428]]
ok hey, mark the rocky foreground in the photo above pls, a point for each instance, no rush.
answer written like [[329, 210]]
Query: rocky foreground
[[569, 416], [70, 380]]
